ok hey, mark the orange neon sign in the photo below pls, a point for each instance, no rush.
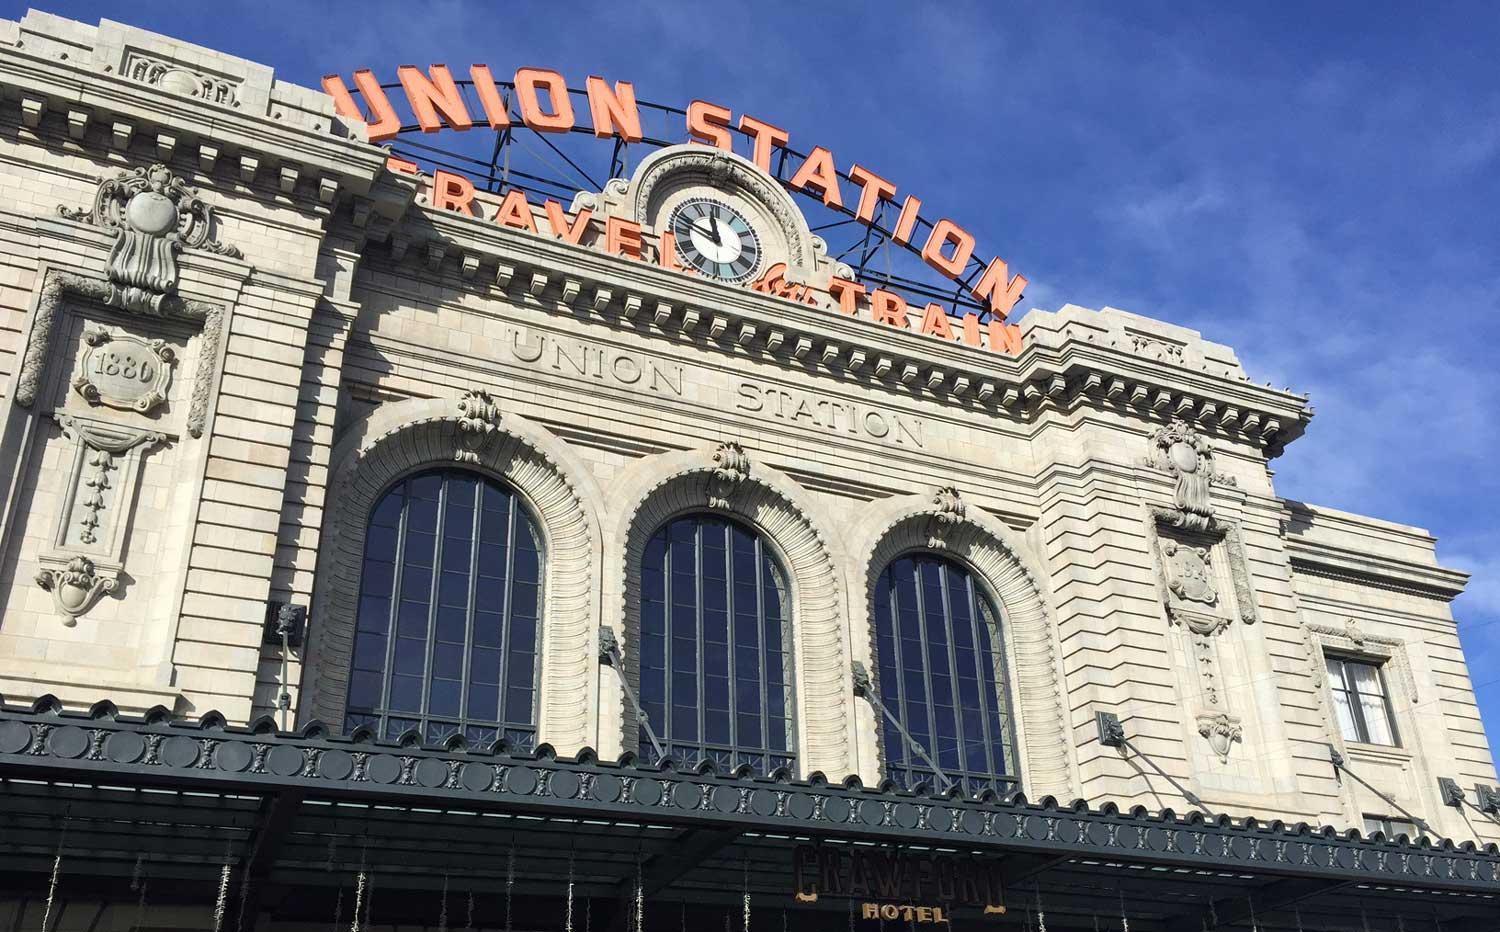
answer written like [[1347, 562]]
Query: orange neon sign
[[544, 103]]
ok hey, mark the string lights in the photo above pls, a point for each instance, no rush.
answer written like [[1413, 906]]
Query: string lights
[[139, 882], [52, 888], [510, 880], [62, 837], [223, 895], [359, 897], [746, 893], [568, 911], [640, 896]]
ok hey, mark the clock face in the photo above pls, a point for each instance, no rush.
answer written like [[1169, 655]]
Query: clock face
[[715, 239]]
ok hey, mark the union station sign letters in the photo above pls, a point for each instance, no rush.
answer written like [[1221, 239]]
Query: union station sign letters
[[544, 104]]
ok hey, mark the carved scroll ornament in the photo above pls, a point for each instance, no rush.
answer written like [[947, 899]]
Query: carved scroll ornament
[[154, 214], [1180, 450], [479, 417], [75, 587], [731, 467], [948, 510], [1221, 730]]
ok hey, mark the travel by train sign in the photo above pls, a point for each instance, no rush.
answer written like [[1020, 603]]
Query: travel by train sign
[[539, 100]]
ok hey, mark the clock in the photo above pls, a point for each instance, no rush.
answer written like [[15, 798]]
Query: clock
[[715, 239]]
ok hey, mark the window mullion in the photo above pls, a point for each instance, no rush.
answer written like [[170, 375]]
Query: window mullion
[[946, 594], [1351, 693], [926, 665], [669, 670], [432, 601], [760, 642], [699, 530], [1385, 703], [893, 605], [731, 670], [976, 622], [907, 700], [383, 714], [473, 608], [503, 676]]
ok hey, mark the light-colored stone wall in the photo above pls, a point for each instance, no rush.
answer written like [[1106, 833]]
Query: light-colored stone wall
[[354, 318]]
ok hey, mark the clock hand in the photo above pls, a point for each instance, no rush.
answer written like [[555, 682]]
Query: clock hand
[[713, 225]]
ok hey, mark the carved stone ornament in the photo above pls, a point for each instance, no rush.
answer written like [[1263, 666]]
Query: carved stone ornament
[[1189, 576], [105, 460], [731, 467], [181, 79], [948, 510], [1180, 450], [479, 416], [75, 588], [124, 371], [154, 214], [55, 291], [1221, 731]]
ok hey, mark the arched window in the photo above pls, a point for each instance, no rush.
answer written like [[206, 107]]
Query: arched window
[[715, 656], [447, 634], [941, 676]]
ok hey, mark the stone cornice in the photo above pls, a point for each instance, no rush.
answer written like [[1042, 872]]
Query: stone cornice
[[610, 289], [283, 154], [1381, 554], [1376, 572]]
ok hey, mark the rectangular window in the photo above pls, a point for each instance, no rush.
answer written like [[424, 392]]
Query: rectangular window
[[1360, 701], [1390, 826]]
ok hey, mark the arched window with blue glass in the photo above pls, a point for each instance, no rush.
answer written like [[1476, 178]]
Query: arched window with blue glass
[[715, 651], [449, 619], [941, 670]]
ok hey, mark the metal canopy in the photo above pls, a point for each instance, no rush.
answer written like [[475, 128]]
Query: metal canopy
[[298, 816]]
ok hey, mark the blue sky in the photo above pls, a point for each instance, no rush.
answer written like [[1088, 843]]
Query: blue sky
[[1314, 184]]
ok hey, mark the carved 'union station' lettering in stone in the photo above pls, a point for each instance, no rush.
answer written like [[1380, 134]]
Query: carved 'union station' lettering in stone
[[387, 549], [845, 417], [582, 360]]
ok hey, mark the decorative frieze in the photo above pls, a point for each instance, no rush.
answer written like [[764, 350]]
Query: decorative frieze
[[180, 79]]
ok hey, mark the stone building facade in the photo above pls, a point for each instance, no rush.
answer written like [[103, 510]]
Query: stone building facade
[[228, 325]]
